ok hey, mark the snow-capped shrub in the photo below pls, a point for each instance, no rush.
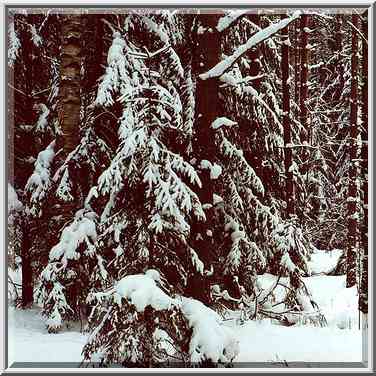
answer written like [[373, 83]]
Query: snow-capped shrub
[[290, 251], [127, 322], [289, 256]]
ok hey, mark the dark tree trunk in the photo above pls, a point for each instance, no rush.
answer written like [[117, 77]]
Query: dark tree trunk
[[296, 62], [27, 272], [289, 182], [304, 80], [303, 96], [246, 128], [352, 188], [29, 118], [363, 291], [70, 84], [207, 99], [207, 109]]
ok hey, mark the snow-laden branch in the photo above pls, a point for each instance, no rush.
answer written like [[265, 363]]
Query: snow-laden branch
[[257, 38], [226, 21], [358, 31]]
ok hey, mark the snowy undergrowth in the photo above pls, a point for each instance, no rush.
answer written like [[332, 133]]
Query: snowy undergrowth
[[339, 341], [338, 304], [259, 341], [192, 323]]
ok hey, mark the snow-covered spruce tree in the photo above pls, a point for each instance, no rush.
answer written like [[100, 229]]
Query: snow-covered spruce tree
[[291, 253], [87, 160], [145, 221], [248, 217], [317, 190], [149, 199], [32, 59], [64, 282]]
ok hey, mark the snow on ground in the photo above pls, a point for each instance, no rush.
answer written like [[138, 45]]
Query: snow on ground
[[338, 303], [324, 261], [29, 341], [260, 341]]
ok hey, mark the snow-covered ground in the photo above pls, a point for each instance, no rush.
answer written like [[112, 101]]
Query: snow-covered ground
[[263, 342], [28, 340], [260, 341]]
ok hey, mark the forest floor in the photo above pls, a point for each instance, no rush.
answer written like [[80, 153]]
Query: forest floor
[[260, 341]]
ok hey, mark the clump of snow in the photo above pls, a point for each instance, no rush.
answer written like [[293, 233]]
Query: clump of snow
[[210, 338], [42, 120], [153, 274], [14, 204], [40, 180], [115, 52], [81, 230], [222, 122], [324, 262], [142, 291], [197, 263], [257, 38], [226, 21], [217, 199], [13, 46], [215, 169], [35, 37], [204, 164]]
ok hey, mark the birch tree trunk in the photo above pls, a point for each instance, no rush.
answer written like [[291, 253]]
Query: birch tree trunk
[[70, 81]]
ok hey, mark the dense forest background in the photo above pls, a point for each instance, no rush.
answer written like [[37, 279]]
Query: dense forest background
[[160, 161]]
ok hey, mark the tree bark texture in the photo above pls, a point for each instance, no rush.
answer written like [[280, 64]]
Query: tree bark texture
[[363, 293], [289, 182], [70, 84], [352, 188]]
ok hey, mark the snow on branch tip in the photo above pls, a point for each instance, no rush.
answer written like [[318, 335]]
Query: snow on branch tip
[[257, 38]]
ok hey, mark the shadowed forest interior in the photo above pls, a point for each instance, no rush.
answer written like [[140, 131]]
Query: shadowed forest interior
[[173, 171]]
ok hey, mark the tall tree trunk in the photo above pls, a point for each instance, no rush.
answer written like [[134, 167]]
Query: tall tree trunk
[[250, 125], [363, 293], [207, 98], [289, 188], [296, 62], [352, 188], [70, 84], [304, 134], [304, 77], [29, 118], [207, 109]]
